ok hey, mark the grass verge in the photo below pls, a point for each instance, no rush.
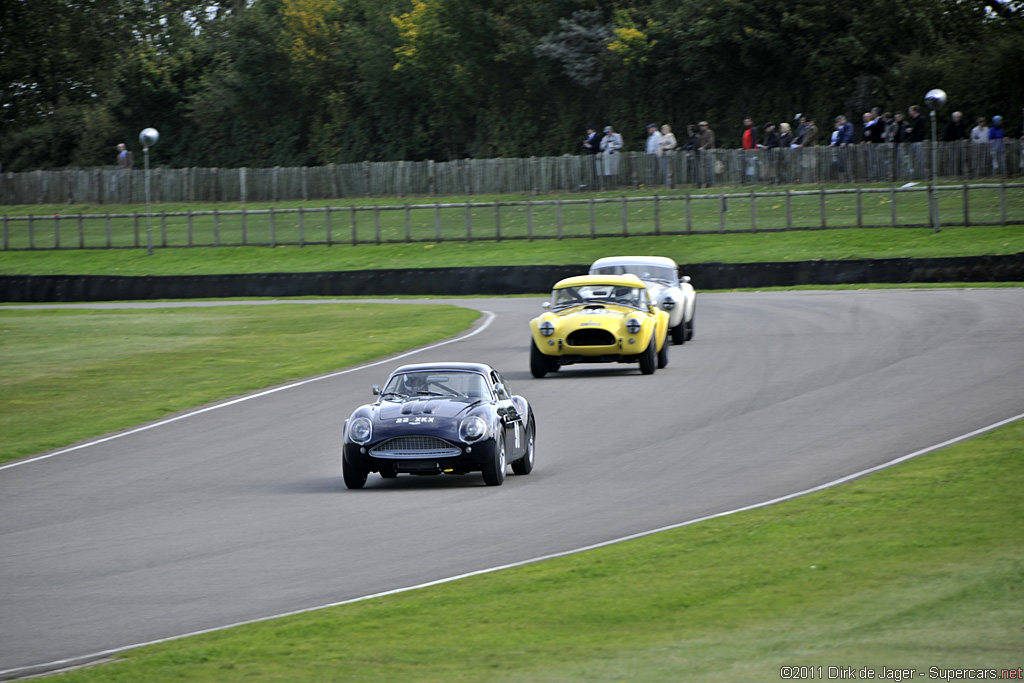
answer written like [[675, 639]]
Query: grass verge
[[70, 375], [725, 248], [914, 567]]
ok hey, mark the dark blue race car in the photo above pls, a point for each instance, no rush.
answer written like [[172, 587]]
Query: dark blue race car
[[440, 418]]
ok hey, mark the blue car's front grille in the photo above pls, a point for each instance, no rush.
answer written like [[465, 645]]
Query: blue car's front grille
[[415, 447]]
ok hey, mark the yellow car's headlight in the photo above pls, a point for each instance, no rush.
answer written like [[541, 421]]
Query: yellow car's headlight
[[633, 326], [547, 328]]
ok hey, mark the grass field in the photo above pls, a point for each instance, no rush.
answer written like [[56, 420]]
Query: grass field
[[704, 244], [70, 375], [915, 567]]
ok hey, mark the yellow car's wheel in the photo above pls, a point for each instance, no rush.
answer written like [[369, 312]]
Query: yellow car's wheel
[[539, 363], [649, 359], [663, 355]]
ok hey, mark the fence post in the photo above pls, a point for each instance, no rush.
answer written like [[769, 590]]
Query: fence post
[[376, 224], [789, 209], [529, 220], [892, 205], [408, 224], [469, 222], [81, 231], [109, 243], [366, 178], [753, 210], [593, 220], [274, 183], [56, 231], [689, 214], [558, 216], [273, 229], [533, 176], [135, 229], [657, 215], [967, 212], [722, 207], [190, 227], [305, 183], [7, 234], [163, 228], [497, 221], [245, 226], [623, 211], [431, 178], [1002, 200], [327, 222], [99, 186], [355, 235], [302, 224], [437, 221], [860, 211], [216, 228], [243, 192], [824, 217]]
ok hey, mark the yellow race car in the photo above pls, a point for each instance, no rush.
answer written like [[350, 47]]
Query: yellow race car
[[599, 319]]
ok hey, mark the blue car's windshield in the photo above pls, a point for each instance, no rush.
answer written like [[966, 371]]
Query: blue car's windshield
[[436, 383]]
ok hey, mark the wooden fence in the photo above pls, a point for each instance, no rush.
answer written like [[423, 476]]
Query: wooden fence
[[538, 175], [675, 214]]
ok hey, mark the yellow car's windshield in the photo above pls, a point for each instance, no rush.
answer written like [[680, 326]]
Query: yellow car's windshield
[[566, 297]]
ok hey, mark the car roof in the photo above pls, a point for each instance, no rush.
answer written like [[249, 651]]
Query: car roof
[[450, 365], [615, 280], [661, 261]]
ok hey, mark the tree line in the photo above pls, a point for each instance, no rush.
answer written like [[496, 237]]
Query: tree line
[[263, 83]]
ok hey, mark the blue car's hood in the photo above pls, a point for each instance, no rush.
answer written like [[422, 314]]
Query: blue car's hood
[[441, 408]]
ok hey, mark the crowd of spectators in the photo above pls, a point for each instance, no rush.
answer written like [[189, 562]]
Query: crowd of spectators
[[894, 139]]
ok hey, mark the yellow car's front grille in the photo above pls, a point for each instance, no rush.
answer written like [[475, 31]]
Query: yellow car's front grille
[[590, 337]]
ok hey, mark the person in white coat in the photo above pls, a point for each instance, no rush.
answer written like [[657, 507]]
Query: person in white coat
[[611, 143]]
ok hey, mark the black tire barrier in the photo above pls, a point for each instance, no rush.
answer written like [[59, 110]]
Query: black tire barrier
[[494, 280]]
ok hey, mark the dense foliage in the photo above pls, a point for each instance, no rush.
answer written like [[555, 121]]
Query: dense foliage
[[303, 82]]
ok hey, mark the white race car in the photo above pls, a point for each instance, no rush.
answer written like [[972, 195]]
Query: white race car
[[670, 292]]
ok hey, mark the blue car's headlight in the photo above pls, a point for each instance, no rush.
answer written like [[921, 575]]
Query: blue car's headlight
[[360, 430], [633, 326], [547, 328], [473, 428]]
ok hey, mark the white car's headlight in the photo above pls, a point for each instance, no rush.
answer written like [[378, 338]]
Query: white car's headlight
[[633, 326], [547, 328], [668, 303], [360, 430], [472, 428]]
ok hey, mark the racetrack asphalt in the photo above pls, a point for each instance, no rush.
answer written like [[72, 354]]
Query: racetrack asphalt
[[239, 512]]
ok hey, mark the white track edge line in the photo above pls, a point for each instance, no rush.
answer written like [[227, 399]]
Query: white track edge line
[[192, 413], [522, 563]]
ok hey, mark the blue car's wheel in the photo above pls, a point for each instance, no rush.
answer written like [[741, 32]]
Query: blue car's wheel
[[355, 478], [494, 471], [525, 464]]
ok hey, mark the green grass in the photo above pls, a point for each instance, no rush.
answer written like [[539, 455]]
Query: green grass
[[704, 244], [70, 375], [727, 248], [917, 566]]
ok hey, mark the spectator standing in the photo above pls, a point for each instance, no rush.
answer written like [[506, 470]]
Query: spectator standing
[[705, 152], [996, 137], [653, 149], [749, 144], [979, 146], [954, 135], [691, 146], [873, 134], [785, 142], [771, 145], [843, 138], [916, 136], [805, 143], [123, 178], [611, 143], [668, 149], [592, 143]]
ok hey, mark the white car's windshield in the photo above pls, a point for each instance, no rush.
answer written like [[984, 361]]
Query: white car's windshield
[[436, 383], [643, 272], [634, 297]]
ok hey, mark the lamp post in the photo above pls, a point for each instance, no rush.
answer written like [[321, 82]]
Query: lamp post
[[148, 138], [936, 99]]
